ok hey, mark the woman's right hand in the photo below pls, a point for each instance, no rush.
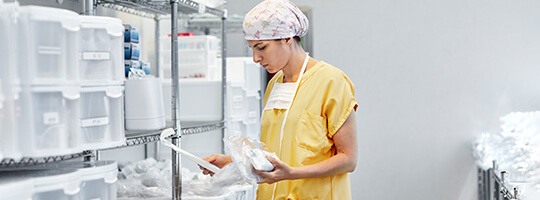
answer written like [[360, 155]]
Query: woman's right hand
[[218, 160]]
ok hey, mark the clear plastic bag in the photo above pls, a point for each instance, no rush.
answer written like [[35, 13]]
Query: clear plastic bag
[[247, 155]]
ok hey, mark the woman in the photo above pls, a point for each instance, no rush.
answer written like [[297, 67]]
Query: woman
[[307, 120]]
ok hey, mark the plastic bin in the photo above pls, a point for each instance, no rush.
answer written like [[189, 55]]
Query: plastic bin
[[202, 42], [243, 68], [8, 39], [48, 39], [192, 64], [144, 104], [16, 188], [101, 51], [56, 184], [9, 145], [198, 57], [102, 117], [200, 100], [97, 181], [242, 127], [48, 116], [236, 99], [254, 104]]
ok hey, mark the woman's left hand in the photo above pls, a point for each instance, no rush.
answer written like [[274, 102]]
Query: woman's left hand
[[281, 171]]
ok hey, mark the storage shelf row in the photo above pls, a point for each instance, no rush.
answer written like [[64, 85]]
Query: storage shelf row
[[149, 8], [134, 138]]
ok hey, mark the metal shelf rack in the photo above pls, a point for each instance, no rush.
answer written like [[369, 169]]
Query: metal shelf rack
[[492, 187], [153, 9], [148, 9]]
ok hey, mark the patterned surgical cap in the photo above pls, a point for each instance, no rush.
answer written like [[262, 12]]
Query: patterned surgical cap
[[275, 19]]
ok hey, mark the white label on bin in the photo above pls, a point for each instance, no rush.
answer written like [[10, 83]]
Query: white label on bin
[[51, 118], [49, 50], [95, 122], [96, 56]]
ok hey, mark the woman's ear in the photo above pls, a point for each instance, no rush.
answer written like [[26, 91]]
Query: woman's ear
[[288, 41]]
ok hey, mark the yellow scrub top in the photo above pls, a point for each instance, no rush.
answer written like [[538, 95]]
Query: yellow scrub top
[[323, 102]]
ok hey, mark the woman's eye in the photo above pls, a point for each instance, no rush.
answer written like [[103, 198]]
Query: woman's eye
[[262, 48]]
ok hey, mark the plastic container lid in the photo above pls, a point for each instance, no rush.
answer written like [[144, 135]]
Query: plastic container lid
[[69, 19], [107, 170], [113, 25], [67, 180]]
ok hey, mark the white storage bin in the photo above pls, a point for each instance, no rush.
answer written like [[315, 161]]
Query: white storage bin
[[242, 127], [98, 181], [16, 188], [203, 42], [253, 107], [192, 64], [144, 104], [47, 120], [48, 39], [102, 117], [8, 39], [101, 50], [200, 100], [56, 184], [243, 68], [236, 99], [9, 145]]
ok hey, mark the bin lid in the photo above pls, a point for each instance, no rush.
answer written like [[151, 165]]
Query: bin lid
[[69, 19], [113, 26]]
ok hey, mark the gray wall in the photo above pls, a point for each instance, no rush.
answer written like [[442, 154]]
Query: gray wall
[[430, 76]]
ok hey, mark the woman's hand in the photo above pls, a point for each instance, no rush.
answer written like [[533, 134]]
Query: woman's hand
[[281, 171], [218, 160]]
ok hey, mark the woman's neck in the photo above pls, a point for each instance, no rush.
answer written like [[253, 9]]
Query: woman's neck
[[292, 71]]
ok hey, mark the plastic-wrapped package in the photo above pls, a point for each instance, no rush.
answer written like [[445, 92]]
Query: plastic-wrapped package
[[246, 154], [143, 179]]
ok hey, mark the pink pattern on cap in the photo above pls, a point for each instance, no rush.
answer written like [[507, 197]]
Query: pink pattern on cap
[[275, 19]]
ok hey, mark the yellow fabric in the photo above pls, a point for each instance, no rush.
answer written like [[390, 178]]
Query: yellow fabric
[[324, 100]]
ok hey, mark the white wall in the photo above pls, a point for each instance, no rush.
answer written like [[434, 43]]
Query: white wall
[[430, 76]]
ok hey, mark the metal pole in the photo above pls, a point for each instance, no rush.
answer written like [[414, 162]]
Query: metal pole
[[176, 161], [158, 70], [224, 70], [89, 8]]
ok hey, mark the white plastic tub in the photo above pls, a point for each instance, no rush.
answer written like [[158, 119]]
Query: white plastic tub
[[236, 99], [8, 39], [16, 188], [9, 146], [144, 104], [48, 39], [243, 68], [101, 51], [56, 184], [200, 100], [101, 118], [98, 181], [242, 127], [47, 118]]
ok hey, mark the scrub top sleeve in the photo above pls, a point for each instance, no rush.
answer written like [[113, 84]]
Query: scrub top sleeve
[[340, 103]]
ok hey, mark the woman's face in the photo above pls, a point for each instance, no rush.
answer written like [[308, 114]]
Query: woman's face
[[273, 55]]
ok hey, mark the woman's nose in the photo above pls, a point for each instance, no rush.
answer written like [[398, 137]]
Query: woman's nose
[[256, 58]]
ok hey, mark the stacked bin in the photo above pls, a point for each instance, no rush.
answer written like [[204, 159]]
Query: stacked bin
[[198, 57], [71, 180], [243, 97], [8, 78], [62, 85], [101, 76], [48, 93]]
